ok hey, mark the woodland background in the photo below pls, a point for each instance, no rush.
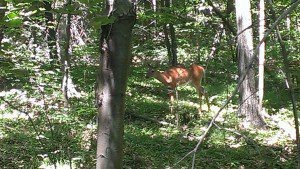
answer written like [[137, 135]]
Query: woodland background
[[49, 60]]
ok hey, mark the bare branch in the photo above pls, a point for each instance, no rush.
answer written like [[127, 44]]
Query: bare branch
[[289, 83]]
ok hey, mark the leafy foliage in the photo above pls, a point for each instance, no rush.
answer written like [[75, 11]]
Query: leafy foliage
[[37, 131]]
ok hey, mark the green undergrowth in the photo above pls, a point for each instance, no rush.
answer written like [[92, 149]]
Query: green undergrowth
[[53, 134]]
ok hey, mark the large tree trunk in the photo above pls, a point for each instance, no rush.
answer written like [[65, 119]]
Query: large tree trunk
[[111, 83], [261, 54], [247, 93], [2, 14]]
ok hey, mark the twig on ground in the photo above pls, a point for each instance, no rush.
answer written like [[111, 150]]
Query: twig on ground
[[150, 119]]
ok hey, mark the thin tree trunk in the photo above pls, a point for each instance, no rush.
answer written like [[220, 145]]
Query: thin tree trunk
[[2, 14], [261, 55], [66, 61], [289, 83], [111, 83], [216, 42], [167, 43], [230, 9], [173, 45], [51, 37], [166, 4], [154, 6], [68, 87], [247, 93]]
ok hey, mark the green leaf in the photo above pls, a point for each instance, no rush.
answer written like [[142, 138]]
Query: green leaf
[[12, 15], [15, 22]]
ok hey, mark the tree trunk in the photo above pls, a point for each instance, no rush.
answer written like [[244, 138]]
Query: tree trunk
[[111, 83], [248, 103], [51, 37], [2, 14], [68, 87], [66, 62], [167, 43], [174, 60], [261, 54], [154, 5], [166, 4], [170, 37]]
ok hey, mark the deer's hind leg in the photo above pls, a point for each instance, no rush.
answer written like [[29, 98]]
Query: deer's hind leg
[[197, 85], [200, 102]]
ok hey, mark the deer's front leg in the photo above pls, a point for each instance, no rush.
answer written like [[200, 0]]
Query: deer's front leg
[[172, 96], [200, 102], [203, 92]]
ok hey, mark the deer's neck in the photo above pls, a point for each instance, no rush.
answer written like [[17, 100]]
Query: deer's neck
[[162, 77]]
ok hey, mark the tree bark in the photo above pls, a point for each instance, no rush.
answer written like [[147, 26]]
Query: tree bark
[[167, 42], [174, 60], [154, 6], [64, 36], [66, 62], [2, 14], [51, 37], [111, 83], [166, 4], [248, 103], [170, 37], [261, 54]]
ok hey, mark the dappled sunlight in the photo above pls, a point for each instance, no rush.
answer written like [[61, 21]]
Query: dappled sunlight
[[58, 58], [58, 165]]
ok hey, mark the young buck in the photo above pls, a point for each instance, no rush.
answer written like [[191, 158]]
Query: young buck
[[177, 76]]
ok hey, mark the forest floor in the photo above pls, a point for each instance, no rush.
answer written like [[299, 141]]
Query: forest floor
[[36, 131]]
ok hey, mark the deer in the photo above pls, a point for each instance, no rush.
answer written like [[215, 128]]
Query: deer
[[177, 76]]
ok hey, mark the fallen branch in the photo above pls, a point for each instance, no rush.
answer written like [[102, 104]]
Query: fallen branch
[[150, 119], [248, 139]]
